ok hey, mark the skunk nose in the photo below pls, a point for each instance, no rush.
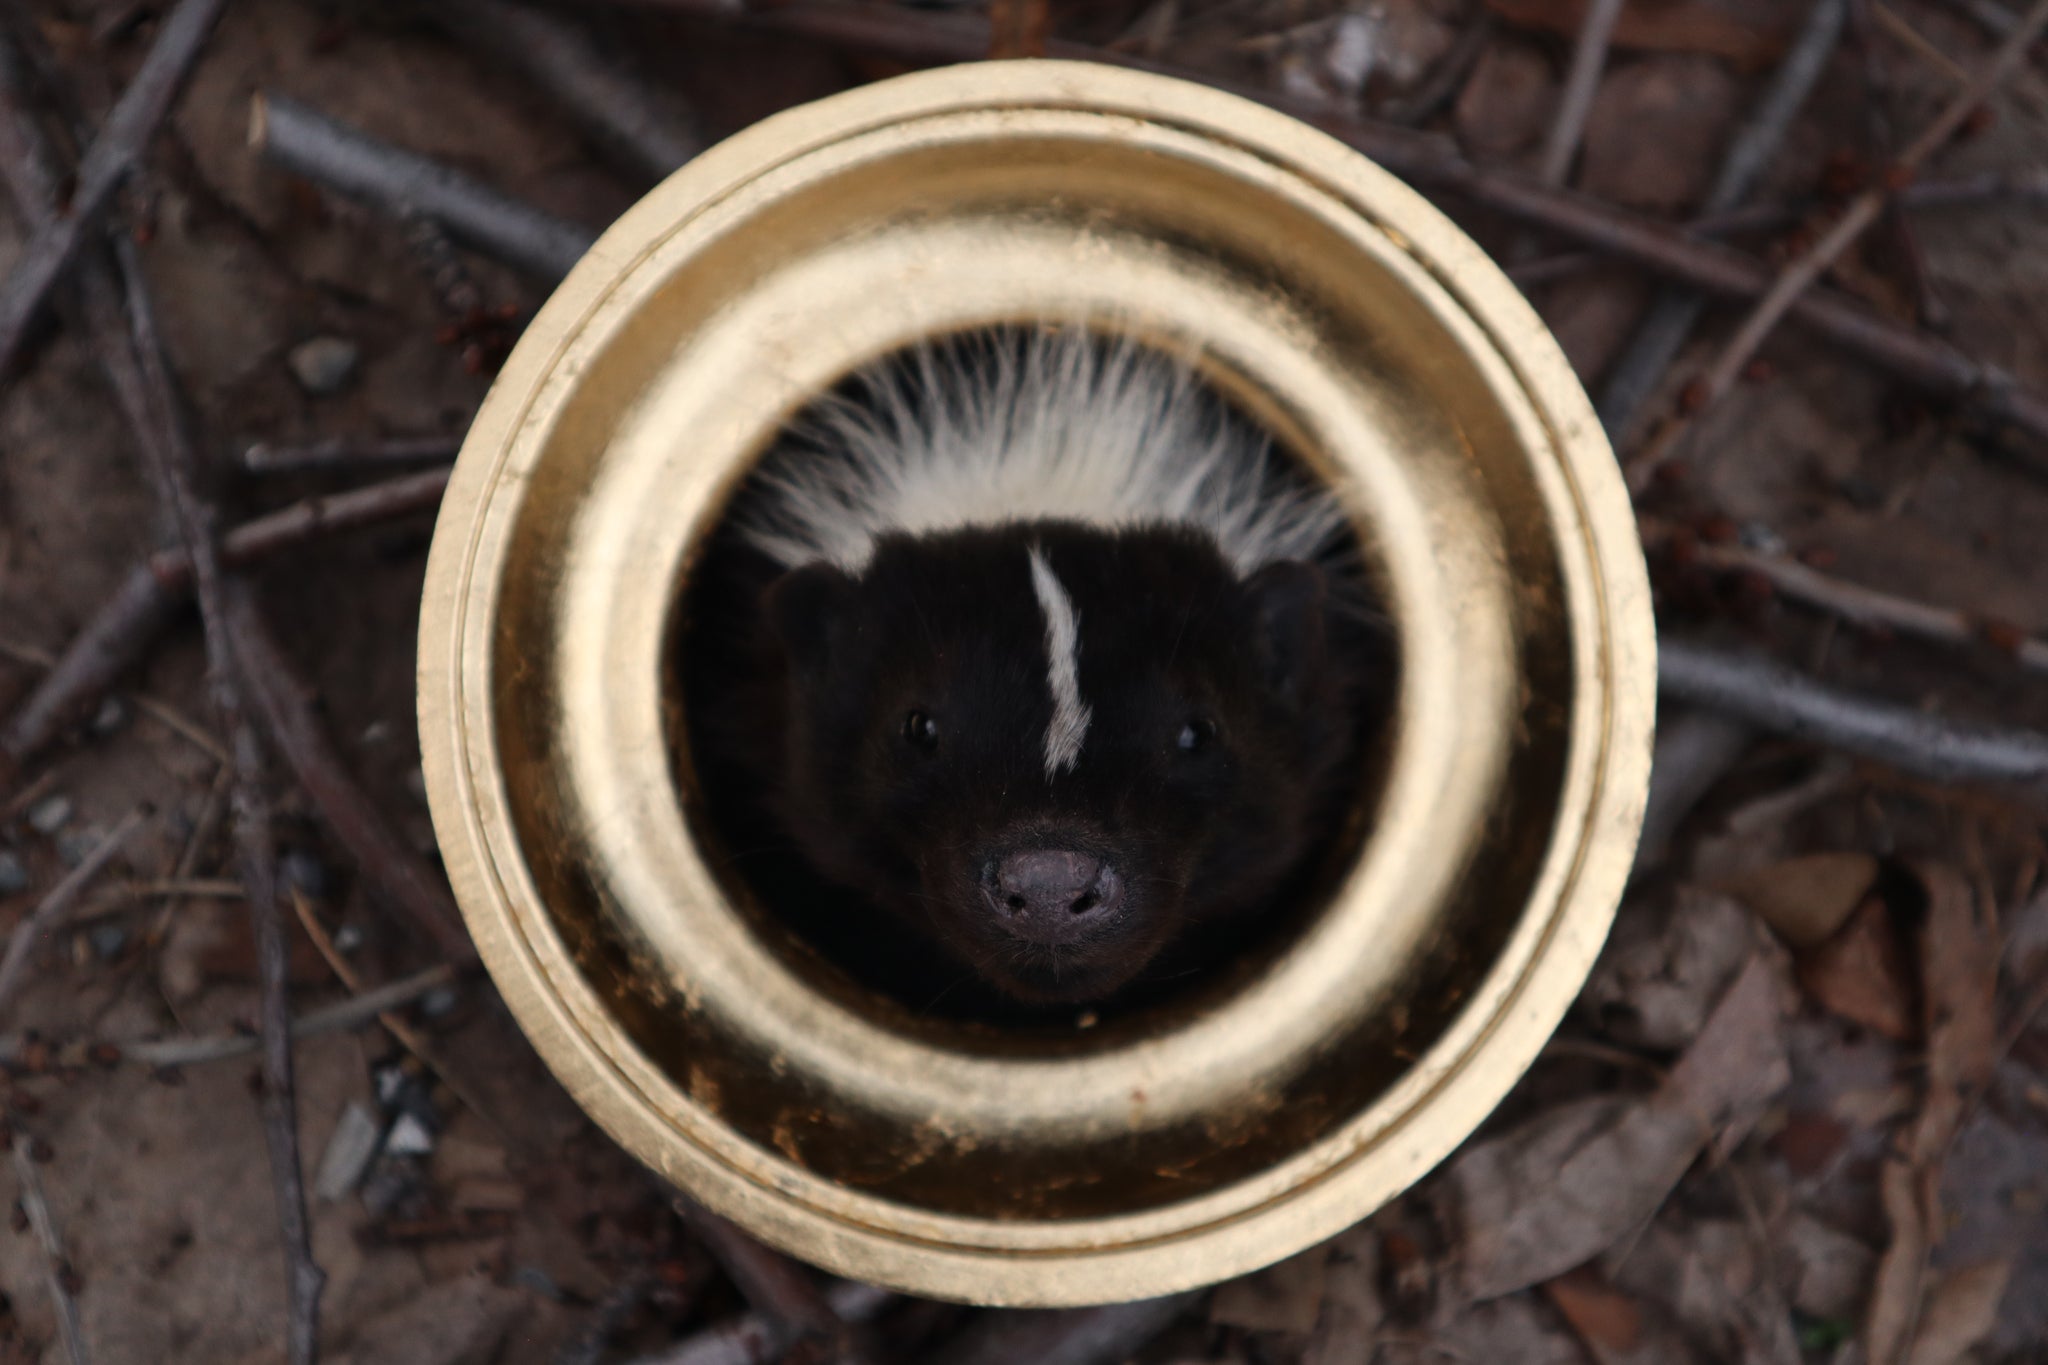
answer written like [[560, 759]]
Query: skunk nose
[[1048, 895]]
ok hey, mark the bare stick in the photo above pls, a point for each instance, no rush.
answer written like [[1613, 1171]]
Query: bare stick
[[1581, 82], [776, 1286], [1695, 749], [647, 133], [166, 1053], [1081, 1336], [124, 137], [349, 452], [1773, 697], [1864, 606], [1864, 18], [51, 908], [760, 1339], [1800, 274], [118, 633], [282, 702], [1433, 163], [345, 159], [1663, 332], [56, 1265], [176, 467]]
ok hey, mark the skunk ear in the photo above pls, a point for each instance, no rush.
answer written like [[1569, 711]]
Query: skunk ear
[[805, 608], [1287, 615]]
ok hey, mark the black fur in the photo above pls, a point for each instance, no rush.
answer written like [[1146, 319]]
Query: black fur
[[889, 727]]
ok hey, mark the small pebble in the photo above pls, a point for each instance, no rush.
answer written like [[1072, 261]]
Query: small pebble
[[50, 814], [390, 1083], [439, 1002], [416, 783], [348, 938], [377, 732], [14, 877], [348, 1155], [1761, 538], [408, 1137], [108, 940], [324, 364], [111, 716]]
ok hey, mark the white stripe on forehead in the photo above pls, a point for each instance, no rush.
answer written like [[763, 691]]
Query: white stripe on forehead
[[1070, 716]]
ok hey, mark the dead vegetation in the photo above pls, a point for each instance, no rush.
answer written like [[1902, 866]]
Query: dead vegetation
[[1795, 250]]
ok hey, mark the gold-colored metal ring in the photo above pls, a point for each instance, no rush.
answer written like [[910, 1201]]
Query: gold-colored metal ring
[[1332, 304]]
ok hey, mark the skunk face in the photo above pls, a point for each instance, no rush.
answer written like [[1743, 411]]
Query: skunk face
[[1052, 746]]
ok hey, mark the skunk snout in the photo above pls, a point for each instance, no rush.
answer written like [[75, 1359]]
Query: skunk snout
[[1050, 895]]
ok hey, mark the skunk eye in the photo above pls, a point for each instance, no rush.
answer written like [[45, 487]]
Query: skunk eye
[[1197, 734], [921, 730]]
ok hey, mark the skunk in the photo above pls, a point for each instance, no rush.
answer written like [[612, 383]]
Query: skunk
[[1038, 659]]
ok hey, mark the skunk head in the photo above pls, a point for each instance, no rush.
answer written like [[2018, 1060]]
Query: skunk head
[[1052, 746]]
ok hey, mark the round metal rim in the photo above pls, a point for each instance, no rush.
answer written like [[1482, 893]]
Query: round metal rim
[[1616, 660]]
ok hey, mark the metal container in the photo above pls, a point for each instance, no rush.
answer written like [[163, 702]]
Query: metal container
[[1329, 302]]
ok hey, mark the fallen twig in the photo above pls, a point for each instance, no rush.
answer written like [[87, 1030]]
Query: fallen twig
[[1080, 1336], [44, 917], [1581, 82], [776, 1286], [118, 633], [1800, 275], [56, 1265], [1865, 17], [1662, 333], [1695, 749], [308, 143], [175, 466], [1433, 163], [169, 1053], [645, 133], [760, 1339], [349, 452], [1774, 697], [1860, 605], [282, 703], [121, 141]]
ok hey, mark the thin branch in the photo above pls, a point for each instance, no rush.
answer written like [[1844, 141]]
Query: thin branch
[[308, 143], [56, 1265], [776, 1286], [1774, 697], [1581, 83], [168, 1053], [51, 908], [282, 702], [1663, 332], [1080, 1336], [647, 133], [116, 636], [349, 452], [1433, 163], [1799, 275], [760, 1339], [123, 139], [175, 464], [1868, 607]]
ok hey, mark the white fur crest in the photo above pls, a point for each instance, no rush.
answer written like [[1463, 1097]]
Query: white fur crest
[[1053, 423], [1070, 715]]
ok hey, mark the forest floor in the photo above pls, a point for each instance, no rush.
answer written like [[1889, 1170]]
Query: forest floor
[[1837, 962]]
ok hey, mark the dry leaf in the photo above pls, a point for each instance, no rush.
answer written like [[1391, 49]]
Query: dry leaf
[[1507, 1331], [1552, 1194], [1747, 32], [1960, 1311], [1959, 982], [1860, 974], [1664, 967], [1655, 132], [1708, 1276], [1287, 1297], [1806, 900], [1607, 1320]]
